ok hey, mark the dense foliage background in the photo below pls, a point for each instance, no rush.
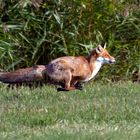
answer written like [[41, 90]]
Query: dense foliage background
[[36, 31]]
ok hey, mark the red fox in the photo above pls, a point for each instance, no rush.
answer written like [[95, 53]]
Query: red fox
[[68, 71], [72, 69]]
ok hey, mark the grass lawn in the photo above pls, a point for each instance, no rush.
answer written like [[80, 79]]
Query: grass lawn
[[99, 112]]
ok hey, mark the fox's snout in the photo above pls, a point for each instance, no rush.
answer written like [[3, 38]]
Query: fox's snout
[[112, 61], [106, 60]]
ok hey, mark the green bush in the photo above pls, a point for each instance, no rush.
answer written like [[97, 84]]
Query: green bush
[[38, 31]]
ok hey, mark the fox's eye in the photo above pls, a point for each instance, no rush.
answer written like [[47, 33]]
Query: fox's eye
[[106, 56]]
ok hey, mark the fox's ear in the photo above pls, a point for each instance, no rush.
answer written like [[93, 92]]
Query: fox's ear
[[104, 46], [98, 49]]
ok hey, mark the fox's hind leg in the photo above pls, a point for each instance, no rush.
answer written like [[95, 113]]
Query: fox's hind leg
[[67, 82]]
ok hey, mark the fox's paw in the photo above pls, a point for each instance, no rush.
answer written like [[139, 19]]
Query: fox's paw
[[78, 86]]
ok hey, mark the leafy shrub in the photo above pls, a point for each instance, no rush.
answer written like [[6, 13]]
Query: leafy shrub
[[36, 31]]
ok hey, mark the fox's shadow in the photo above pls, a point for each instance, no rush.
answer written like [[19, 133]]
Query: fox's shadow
[[38, 84]]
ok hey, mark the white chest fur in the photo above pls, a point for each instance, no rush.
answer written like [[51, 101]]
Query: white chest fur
[[97, 67]]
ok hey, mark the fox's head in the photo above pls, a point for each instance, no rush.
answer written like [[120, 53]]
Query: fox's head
[[103, 56]]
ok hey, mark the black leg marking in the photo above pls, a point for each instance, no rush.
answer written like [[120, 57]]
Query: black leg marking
[[78, 86]]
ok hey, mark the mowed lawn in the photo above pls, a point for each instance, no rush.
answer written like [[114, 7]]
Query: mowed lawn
[[99, 112]]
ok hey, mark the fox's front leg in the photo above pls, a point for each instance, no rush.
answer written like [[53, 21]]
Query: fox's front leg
[[76, 83], [68, 82], [78, 86], [71, 85]]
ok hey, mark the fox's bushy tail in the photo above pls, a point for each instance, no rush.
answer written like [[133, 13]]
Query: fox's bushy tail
[[30, 74]]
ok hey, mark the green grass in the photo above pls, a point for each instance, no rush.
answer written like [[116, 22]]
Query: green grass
[[99, 112]]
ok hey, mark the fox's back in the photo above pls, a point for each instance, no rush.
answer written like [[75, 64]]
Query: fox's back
[[60, 66]]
